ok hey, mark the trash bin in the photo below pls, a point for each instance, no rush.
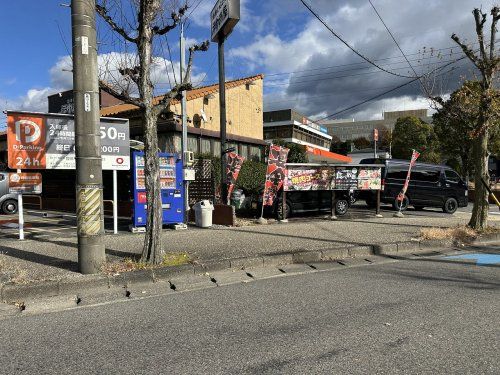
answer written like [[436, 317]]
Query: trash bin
[[203, 213]]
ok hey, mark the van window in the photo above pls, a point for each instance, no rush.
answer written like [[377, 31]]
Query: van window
[[425, 175], [452, 176], [397, 171]]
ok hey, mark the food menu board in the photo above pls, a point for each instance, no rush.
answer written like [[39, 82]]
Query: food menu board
[[370, 179], [346, 178], [304, 177], [312, 178], [167, 172]]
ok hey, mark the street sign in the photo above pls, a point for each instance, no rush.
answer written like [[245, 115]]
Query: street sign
[[25, 183], [375, 135], [224, 16], [47, 141]]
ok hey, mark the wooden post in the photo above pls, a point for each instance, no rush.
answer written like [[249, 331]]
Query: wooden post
[[377, 207], [332, 206]]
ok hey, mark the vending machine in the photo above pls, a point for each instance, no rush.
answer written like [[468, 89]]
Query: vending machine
[[172, 191]]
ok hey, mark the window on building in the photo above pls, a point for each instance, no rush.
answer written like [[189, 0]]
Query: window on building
[[284, 132], [205, 146], [244, 151], [192, 144], [255, 153], [270, 134], [216, 148]]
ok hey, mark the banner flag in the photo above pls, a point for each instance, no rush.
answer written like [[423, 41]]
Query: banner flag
[[414, 156], [234, 163], [276, 172]]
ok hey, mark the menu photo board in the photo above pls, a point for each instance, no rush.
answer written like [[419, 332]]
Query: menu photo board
[[370, 178], [308, 178]]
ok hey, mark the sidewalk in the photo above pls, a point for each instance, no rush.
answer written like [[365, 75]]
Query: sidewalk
[[52, 255]]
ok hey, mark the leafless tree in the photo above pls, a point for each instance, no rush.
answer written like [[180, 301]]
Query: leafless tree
[[135, 86], [488, 64]]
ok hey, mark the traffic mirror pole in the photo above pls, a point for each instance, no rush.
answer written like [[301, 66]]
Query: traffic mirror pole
[[90, 224], [222, 110]]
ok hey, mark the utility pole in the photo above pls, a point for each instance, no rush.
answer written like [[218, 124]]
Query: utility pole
[[222, 101], [90, 224], [184, 122]]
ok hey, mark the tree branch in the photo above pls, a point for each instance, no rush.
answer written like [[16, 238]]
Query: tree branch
[[197, 47], [468, 52], [103, 12], [176, 18], [172, 94], [495, 13], [480, 21], [122, 95]]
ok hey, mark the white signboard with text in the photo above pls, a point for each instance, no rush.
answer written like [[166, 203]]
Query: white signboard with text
[[224, 16]]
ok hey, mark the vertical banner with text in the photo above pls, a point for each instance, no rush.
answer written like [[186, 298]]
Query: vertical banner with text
[[414, 156], [276, 172], [233, 167]]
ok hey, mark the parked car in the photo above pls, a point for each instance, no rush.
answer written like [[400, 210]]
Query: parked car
[[8, 202], [312, 201], [430, 185]]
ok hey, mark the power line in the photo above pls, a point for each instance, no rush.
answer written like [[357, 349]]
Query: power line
[[388, 91], [399, 47], [348, 45]]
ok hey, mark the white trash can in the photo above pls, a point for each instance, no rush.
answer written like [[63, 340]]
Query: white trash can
[[203, 213]]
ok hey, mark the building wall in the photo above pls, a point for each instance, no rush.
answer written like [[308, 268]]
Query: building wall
[[351, 130], [243, 111]]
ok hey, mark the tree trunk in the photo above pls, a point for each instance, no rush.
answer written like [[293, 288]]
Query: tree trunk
[[152, 250], [479, 218]]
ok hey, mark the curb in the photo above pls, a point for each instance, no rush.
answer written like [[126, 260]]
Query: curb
[[15, 293]]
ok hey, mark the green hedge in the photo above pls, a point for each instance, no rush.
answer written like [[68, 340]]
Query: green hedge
[[251, 178]]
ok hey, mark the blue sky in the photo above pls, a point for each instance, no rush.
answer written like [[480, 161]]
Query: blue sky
[[305, 66]]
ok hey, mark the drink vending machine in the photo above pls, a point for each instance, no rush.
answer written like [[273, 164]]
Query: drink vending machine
[[172, 190]]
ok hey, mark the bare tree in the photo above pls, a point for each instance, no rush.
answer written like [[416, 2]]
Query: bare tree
[[148, 23], [488, 63]]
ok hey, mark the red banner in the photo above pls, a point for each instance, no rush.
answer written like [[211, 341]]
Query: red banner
[[233, 167], [414, 156], [276, 172]]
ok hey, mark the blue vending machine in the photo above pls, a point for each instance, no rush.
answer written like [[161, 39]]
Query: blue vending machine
[[172, 190]]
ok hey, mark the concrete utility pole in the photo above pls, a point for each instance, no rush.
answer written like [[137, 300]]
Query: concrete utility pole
[[184, 122], [91, 254], [222, 100]]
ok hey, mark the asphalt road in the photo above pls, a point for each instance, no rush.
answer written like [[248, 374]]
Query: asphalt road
[[431, 315]]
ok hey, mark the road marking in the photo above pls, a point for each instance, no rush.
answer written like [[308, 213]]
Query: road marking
[[482, 259]]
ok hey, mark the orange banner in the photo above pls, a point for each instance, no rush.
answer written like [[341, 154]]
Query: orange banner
[[26, 142]]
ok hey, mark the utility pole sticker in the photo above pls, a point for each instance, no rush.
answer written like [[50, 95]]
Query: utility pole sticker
[[88, 208]]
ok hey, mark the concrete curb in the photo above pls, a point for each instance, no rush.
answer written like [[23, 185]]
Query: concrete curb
[[12, 293]]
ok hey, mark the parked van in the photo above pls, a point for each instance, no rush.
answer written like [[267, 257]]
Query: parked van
[[8, 202], [430, 185], [312, 201]]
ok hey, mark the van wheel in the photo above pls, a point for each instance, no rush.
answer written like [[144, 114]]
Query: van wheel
[[341, 207], [9, 207], [279, 211], [450, 206], [397, 204]]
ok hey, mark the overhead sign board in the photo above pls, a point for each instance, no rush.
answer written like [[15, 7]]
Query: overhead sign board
[[47, 141], [25, 183], [314, 177], [224, 16]]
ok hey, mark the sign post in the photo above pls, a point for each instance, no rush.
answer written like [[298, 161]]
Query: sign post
[[20, 183], [47, 141], [224, 16]]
